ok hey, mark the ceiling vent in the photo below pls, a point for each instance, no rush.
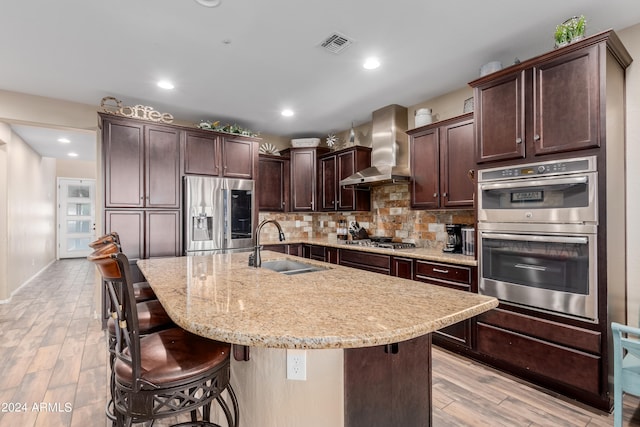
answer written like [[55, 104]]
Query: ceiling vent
[[336, 43]]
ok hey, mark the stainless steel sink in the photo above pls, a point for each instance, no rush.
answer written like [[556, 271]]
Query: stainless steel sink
[[290, 267]]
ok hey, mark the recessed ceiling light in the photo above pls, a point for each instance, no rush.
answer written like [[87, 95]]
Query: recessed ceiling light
[[371, 63], [64, 140], [72, 154], [287, 112], [209, 3], [165, 84]]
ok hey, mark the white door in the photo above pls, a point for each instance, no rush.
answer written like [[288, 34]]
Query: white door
[[76, 217]]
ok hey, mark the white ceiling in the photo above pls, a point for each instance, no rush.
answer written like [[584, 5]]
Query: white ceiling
[[82, 51]]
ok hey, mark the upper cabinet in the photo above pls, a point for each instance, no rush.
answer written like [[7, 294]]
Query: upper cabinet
[[335, 166], [303, 177], [207, 153], [141, 164], [550, 104], [272, 184], [443, 164]]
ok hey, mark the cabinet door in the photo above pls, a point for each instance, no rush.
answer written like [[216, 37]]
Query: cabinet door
[[346, 163], [402, 267], [566, 103], [500, 119], [201, 153], [303, 179], [328, 183], [129, 224], [457, 163], [162, 156], [237, 157], [123, 149], [273, 184], [162, 229], [424, 170], [331, 255]]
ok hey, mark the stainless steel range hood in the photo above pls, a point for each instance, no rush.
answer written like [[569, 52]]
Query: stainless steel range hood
[[389, 149]]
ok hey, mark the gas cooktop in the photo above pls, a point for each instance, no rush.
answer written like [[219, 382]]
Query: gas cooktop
[[380, 243]]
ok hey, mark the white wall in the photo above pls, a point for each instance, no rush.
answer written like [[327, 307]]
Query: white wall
[[5, 137], [631, 39], [27, 185], [30, 202]]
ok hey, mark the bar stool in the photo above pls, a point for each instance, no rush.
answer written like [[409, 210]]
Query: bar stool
[[164, 373], [152, 317], [142, 290]]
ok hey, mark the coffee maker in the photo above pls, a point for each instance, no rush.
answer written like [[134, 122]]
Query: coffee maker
[[454, 239]]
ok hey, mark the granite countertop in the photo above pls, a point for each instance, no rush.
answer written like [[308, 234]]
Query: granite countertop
[[427, 254], [221, 297]]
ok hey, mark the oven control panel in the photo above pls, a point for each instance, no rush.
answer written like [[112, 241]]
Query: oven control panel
[[556, 167]]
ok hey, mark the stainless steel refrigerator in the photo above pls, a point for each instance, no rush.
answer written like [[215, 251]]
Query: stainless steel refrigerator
[[219, 214]]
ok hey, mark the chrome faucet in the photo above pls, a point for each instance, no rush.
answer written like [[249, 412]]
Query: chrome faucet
[[254, 258]]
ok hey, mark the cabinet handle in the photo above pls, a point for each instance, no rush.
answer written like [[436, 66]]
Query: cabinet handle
[[282, 203], [536, 137], [518, 140], [437, 270], [435, 194]]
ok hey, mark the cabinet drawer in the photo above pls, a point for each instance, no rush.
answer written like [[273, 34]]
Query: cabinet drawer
[[533, 356], [317, 253], [432, 270], [366, 261], [567, 335]]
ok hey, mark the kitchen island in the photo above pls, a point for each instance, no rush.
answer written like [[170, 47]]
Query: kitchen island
[[369, 336]]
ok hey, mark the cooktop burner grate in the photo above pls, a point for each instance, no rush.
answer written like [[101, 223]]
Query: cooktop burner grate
[[380, 244]]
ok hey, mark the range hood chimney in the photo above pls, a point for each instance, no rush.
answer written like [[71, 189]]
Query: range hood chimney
[[389, 149]]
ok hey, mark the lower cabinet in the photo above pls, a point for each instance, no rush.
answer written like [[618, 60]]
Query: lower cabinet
[[558, 354], [369, 261], [285, 248], [462, 278], [402, 267], [146, 233]]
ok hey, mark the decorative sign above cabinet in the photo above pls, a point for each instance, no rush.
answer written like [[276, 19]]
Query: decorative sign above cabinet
[[136, 112]]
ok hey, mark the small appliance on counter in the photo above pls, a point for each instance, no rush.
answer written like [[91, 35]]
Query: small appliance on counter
[[454, 239], [341, 230], [468, 240]]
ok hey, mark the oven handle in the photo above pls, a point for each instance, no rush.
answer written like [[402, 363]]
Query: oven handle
[[536, 238], [531, 267], [537, 183]]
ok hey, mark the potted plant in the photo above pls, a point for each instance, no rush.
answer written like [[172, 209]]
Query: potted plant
[[570, 31]]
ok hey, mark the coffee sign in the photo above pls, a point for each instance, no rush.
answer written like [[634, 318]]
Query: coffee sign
[[114, 106]]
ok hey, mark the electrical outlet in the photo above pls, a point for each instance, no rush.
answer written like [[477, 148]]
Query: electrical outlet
[[296, 364]]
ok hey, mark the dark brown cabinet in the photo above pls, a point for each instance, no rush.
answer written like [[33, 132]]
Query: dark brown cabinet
[[146, 233], [547, 105], [272, 184], [208, 153], [442, 162], [303, 177], [141, 164], [561, 355], [339, 165], [402, 267], [458, 277], [378, 263]]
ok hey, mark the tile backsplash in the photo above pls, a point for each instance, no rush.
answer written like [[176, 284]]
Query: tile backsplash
[[390, 215]]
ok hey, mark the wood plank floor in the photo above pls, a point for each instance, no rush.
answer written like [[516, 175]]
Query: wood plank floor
[[53, 368]]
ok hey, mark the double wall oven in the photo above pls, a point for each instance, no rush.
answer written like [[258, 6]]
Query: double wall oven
[[537, 234]]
